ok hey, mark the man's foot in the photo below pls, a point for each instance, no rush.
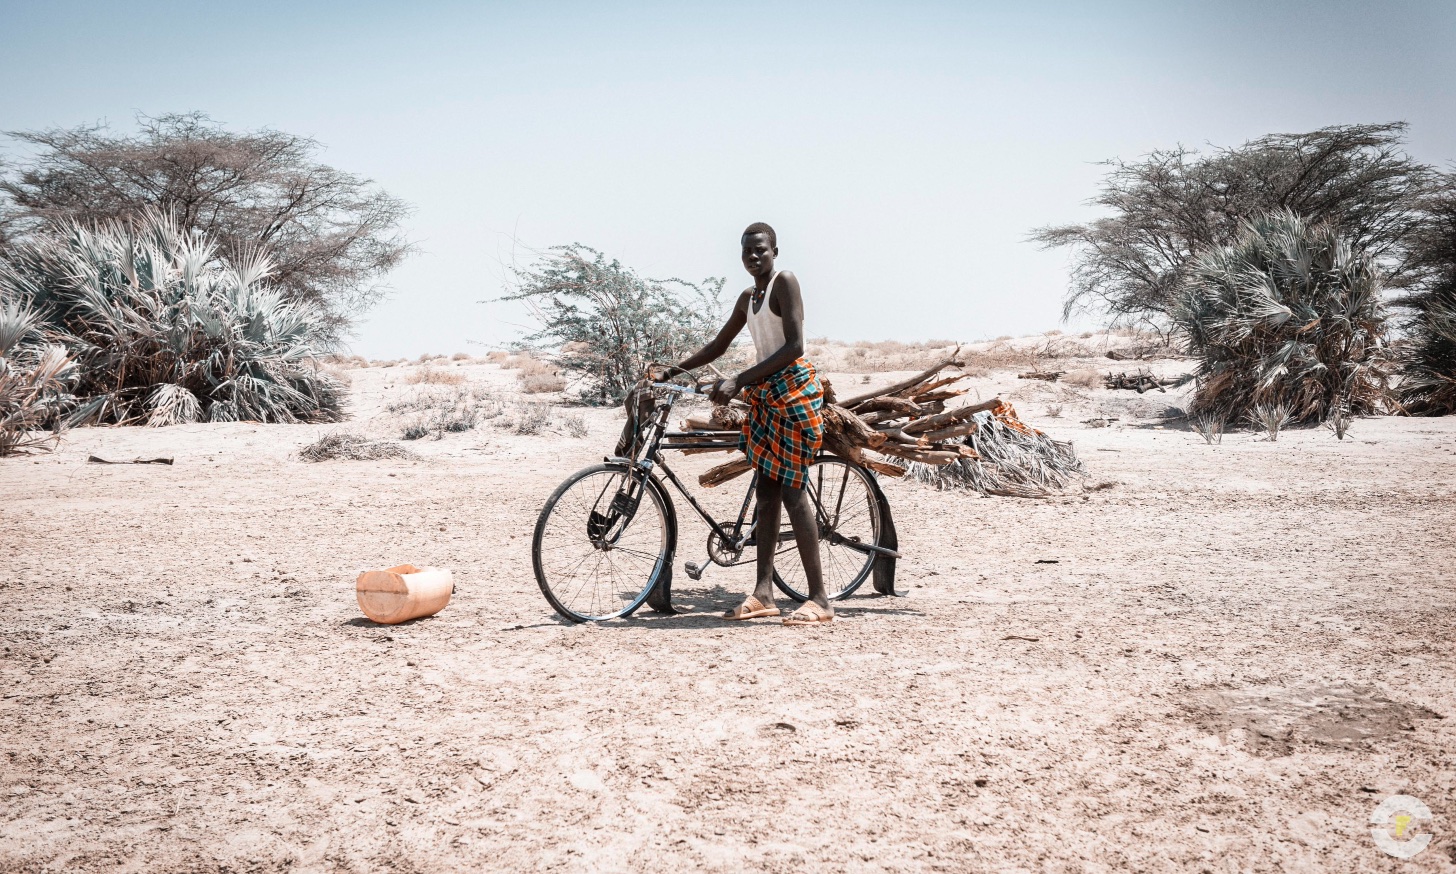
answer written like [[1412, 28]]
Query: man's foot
[[810, 613], [752, 608]]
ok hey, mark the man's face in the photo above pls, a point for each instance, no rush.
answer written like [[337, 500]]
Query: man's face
[[758, 255]]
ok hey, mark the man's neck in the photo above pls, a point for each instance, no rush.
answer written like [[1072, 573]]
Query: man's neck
[[761, 282]]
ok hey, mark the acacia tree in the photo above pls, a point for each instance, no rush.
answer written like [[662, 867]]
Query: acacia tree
[[605, 323], [1173, 205], [332, 235]]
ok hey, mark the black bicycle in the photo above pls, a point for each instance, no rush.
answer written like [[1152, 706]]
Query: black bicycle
[[605, 541]]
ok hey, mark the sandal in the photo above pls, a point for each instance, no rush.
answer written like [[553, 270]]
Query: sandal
[[809, 614], [751, 608]]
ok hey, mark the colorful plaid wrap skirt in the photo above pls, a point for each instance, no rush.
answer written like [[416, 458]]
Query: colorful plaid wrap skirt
[[784, 427]]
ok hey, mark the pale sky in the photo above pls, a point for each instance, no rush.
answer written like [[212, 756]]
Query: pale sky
[[903, 151]]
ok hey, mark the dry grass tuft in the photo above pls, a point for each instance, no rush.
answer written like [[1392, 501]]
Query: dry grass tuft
[[352, 447], [1086, 378], [431, 375]]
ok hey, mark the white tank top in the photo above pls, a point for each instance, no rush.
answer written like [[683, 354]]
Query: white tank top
[[766, 328]]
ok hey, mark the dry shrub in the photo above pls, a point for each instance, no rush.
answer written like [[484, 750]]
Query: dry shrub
[[538, 383], [1088, 377], [999, 356], [574, 424], [496, 356], [437, 412], [533, 418], [460, 356], [353, 447], [431, 375]]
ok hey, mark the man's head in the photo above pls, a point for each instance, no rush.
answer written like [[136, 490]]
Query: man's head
[[760, 248]]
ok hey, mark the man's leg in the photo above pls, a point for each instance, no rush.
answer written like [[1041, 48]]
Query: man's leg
[[806, 534], [770, 502]]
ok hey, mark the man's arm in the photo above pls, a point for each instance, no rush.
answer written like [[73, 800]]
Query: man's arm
[[719, 344], [791, 310]]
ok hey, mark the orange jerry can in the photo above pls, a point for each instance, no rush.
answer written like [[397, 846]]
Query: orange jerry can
[[404, 592]]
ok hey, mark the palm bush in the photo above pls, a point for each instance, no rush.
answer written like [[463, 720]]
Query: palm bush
[[34, 382], [163, 331], [1428, 387], [1287, 316], [607, 324]]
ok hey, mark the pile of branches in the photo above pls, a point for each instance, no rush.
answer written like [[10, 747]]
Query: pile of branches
[[1143, 381], [906, 428]]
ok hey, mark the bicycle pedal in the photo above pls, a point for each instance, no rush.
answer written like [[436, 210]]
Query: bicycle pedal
[[694, 570]]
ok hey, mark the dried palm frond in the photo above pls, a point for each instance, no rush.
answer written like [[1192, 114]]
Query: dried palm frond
[[353, 447], [1015, 460], [162, 331], [1289, 315]]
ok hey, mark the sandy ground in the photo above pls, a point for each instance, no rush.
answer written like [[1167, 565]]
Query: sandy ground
[[1220, 660]]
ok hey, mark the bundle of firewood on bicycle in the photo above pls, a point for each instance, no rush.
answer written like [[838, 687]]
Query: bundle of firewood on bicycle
[[907, 422]]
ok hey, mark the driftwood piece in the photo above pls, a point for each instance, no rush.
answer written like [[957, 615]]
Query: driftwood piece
[[96, 459], [1047, 375], [952, 361], [952, 417]]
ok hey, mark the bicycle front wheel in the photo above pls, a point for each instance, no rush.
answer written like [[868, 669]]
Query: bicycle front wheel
[[848, 515], [593, 562]]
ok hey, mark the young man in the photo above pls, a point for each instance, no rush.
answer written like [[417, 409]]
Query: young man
[[784, 427]]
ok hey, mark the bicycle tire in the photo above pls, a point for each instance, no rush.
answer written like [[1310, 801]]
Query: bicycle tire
[[619, 595], [840, 579]]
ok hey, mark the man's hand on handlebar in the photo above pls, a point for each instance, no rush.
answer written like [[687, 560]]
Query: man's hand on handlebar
[[723, 391]]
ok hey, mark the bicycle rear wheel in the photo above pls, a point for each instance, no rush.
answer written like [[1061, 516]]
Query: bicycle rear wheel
[[847, 513], [593, 562]]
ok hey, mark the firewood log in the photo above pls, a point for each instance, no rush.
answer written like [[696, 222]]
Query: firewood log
[[837, 444], [883, 467], [952, 361], [901, 406], [916, 391], [952, 417], [716, 476], [925, 456], [878, 418], [842, 421], [940, 396], [959, 430], [898, 435]]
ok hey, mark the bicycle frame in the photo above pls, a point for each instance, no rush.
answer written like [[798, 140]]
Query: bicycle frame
[[647, 461]]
